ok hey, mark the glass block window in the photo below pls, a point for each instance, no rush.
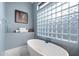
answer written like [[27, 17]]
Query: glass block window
[[59, 20]]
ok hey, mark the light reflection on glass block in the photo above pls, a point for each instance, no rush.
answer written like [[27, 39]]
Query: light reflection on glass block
[[58, 14], [74, 9], [53, 6], [45, 10], [53, 11], [59, 8], [75, 42], [59, 3], [73, 3], [65, 5]]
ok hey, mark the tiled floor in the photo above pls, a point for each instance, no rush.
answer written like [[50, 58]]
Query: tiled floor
[[19, 51]]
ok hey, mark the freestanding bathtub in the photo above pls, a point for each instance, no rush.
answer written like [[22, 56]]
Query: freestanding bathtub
[[38, 47]]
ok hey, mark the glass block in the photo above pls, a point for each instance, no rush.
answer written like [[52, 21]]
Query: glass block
[[49, 8], [59, 3], [53, 11], [73, 17], [46, 18], [46, 34], [49, 12], [74, 27], [49, 17], [43, 33], [46, 13], [58, 19], [58, 14], [46, 29], [51, 34], [65, 18], [42, 15], [40, 12], [45, 10], [74, 31], [74, 9], [65, 27], [59, 8], [59, 27], [73, 3], [65, 36], [65, 5], [49, 21], [65, 12], [54, 35], [43, 30], [54, 15], [53, 20], [53, 6], [54, 28], [38, 15], [74, 37], [59, 36], [49, 29], [39, 33]]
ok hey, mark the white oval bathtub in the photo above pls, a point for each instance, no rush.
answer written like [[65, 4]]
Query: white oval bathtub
[[38, 47]]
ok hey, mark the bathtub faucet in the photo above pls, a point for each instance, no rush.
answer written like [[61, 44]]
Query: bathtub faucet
[[47, 40]]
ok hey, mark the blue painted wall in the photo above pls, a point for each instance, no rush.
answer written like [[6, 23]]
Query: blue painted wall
[[2, 28], [34, 11], [72, 48], [11, 26], [10, 15], [14, 40]]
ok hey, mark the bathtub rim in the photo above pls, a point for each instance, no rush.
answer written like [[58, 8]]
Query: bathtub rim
[[67, 54], [34, 48]]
